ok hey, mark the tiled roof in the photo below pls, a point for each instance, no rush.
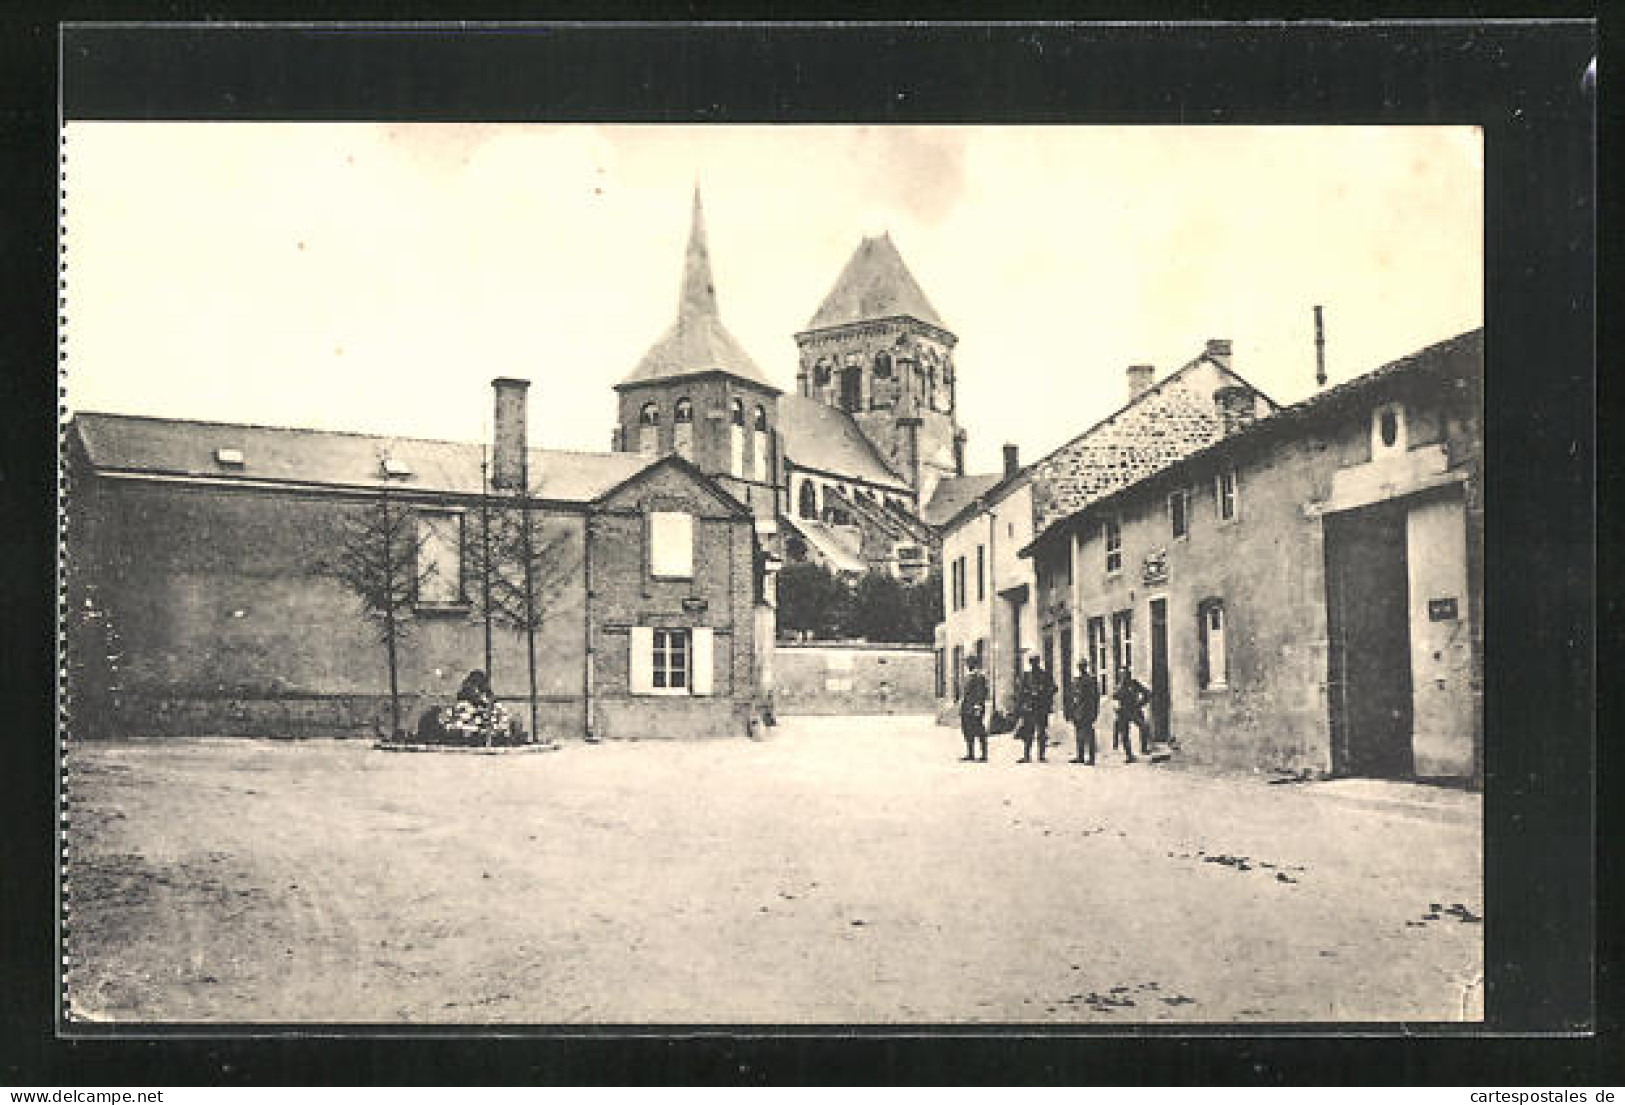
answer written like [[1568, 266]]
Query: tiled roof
[[819, 436], [1458, 352], [697, 342], [875, 284], [831, 545], [1169, 420], [954, 493], [176, 447]]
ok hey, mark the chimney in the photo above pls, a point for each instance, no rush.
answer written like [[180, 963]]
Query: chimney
[[959, 452], [1236, 407], [1320, 349], [1012, 460], [508, 442], [1218, 349], [1139, 378]]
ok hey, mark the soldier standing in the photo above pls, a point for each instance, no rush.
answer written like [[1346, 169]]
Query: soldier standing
[[1082, 708], [1035, 697], [1131, 697], [972, 704]]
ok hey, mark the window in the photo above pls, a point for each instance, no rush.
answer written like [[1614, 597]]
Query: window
[[883, 366], [759, 439], [1213, 668], [942, 674], [736, 440], [821, 373], [807, 501], [1123, 642], [1178, 514], [440, 558], [671, 544], [670, 661], [1097, 653], [1224, 494], [682, 428], [959, 670], [649, 429], [958, 596], [1114, 545], [1387, 430], [981, 573]]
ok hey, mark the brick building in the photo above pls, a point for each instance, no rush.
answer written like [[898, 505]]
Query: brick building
[[199, 548], [1306, 592], [990, 609]]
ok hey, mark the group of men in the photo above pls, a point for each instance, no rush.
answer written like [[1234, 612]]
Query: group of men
[[1035, 700]]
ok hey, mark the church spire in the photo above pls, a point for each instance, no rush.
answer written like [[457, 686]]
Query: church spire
[[699, 293]]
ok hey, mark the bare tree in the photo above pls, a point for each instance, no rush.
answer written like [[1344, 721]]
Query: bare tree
[[521, 572], [378, 561]]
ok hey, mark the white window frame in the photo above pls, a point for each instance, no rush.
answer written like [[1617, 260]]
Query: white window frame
[[653, 650], [1215, 644], [1378, 449], [1179, 532], [1219, 499], [1111, 533], [671, 544]]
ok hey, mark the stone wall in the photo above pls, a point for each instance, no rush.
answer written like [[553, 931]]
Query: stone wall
[[854, 679]]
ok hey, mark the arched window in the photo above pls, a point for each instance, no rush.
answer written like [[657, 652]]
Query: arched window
[[759, 445], [883, 365], [682, 428], [807, 501], [649, 429], [736, 440]]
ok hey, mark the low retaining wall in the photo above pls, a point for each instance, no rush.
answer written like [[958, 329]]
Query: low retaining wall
[[854, 678], [298, 716]]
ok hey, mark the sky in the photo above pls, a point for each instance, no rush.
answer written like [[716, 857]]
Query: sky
[[375, 277]]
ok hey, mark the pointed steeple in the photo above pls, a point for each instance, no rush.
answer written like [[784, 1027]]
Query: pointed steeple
[[699, 291], [697, 342]]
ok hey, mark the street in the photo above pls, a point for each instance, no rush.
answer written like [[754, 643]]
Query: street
[[842, 871]]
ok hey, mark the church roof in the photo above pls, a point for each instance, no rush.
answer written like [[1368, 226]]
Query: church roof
[[697, 342], [282, 455], [816, 435], [875, 284]]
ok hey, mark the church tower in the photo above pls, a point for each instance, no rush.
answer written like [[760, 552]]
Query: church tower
[[877, 349], [697, 392]]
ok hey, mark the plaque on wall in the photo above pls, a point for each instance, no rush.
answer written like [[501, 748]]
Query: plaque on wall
[[1155, 567]]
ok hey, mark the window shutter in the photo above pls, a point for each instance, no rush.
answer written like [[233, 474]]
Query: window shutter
[[702, 660], [642, 659]]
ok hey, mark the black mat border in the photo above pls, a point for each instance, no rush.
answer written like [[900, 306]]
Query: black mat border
[[1520, 81]]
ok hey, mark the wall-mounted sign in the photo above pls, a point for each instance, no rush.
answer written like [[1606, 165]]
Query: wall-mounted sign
[[1154, 569], [1442, 610], [694, 606]]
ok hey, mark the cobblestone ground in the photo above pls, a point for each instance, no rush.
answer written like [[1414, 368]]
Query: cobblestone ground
[[846, 870]]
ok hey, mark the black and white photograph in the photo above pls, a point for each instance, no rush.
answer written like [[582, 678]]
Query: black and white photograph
[[612, 574]]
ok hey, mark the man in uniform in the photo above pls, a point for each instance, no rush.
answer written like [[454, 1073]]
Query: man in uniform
[[1035, 697], [1082, 708], [1131, 697], [972, 706]]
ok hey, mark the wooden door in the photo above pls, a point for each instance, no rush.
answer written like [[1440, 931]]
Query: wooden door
[[1368, 653]]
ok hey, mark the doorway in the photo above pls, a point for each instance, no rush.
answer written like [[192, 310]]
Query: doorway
[[1160, 709], [1368, 642]]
